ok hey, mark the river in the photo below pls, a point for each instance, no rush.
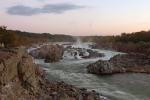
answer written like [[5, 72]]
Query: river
[[115, 87]]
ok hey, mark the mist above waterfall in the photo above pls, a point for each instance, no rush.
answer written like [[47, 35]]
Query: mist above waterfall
[[80, 44], [80, 50]]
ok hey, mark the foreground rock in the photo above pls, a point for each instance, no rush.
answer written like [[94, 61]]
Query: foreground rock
[[21, 79], [137, 63], [51, 53]]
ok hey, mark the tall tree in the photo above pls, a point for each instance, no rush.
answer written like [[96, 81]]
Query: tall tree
[[6, 37]]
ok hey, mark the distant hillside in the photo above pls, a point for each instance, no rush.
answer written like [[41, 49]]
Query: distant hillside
[[17, 38], [45, 36]]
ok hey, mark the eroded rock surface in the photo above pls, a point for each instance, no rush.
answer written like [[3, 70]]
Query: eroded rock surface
[[79, 53], [51, 53], [138, 63], [21, 79]]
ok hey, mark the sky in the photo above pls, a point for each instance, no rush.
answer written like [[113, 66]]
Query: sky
[[76, 17]]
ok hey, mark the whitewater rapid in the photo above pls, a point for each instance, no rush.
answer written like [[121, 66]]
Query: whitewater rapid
[[115, 87]]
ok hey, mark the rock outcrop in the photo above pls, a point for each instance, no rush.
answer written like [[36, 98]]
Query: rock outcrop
[[51, 53], [94, 54], [79, 53], [138, 63], [21, 79], [18, 76]]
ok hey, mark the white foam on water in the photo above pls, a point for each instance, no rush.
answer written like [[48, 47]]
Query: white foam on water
[[89, 81], [119, 95], [108, 54], [80, 44], [70, 55]]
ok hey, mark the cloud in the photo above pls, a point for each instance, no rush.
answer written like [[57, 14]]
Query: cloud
[[49, 8]]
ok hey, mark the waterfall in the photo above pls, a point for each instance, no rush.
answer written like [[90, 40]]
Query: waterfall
[[80, 44], [78, 41]]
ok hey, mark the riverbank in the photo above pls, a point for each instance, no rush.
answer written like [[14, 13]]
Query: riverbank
[[22, 79], [127, 86]]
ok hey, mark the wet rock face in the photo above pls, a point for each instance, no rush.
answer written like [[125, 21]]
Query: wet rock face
[[138, 63], [104, 67], [79, 53], [51, 53], [94, 54]]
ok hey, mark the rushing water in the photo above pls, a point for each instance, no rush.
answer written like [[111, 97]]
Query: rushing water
[[116, 87]]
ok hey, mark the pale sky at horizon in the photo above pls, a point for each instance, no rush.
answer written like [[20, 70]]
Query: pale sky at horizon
[[76, 17]]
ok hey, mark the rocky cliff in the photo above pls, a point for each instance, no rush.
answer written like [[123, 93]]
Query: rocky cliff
[[133, 62], [21, 79]]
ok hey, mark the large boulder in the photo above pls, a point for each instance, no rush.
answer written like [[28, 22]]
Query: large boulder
[[104, 67], [79, 53], [50, 53], [121, 63], [94, 54]]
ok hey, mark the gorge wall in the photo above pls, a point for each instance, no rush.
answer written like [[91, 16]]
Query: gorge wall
[[21, 79]]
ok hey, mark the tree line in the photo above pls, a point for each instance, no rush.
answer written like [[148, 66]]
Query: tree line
[[13, 38], [7, 39], [136, 37], [126, 42]]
